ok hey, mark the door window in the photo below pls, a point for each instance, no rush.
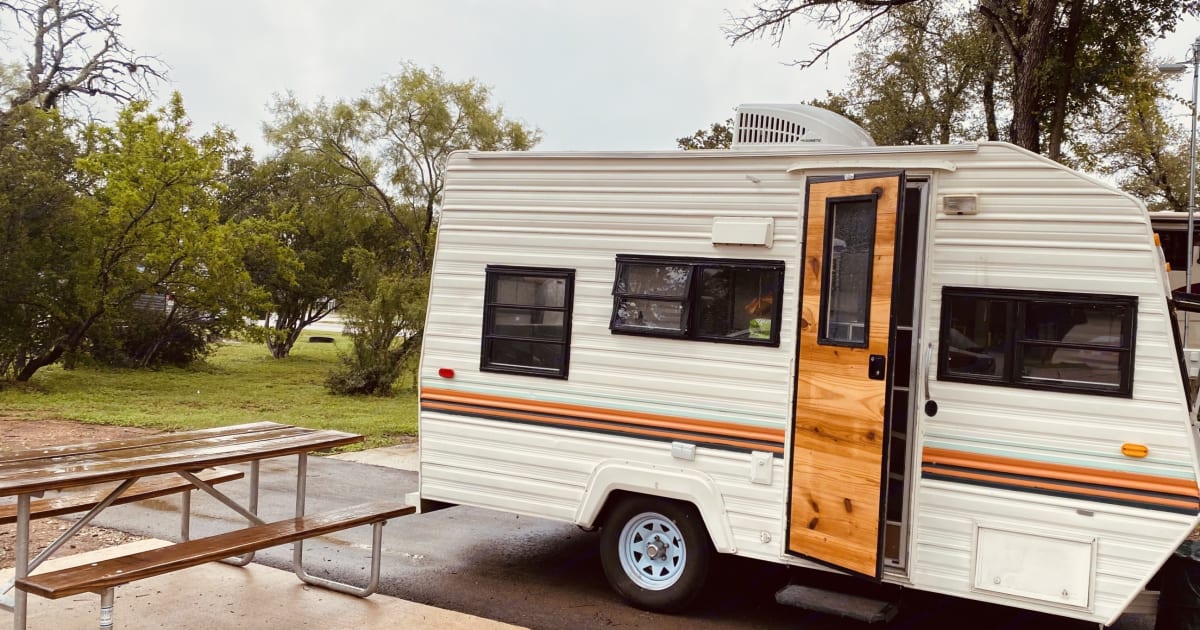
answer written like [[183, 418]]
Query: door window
[[846, 286]]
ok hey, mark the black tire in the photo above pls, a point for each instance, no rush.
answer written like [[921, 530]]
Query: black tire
[[656, 552]]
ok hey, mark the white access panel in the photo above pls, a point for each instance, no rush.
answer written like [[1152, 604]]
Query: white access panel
[[743, 231], [1050, 569]]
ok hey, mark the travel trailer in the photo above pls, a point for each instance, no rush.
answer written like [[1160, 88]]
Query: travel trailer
[[954, 369]]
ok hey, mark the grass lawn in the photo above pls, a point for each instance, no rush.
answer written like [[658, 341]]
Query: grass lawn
[[239, 383]]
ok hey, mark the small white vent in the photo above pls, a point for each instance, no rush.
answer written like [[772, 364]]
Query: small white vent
[[762, 126]]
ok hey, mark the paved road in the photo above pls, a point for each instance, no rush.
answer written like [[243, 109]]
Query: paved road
[[531, 572]]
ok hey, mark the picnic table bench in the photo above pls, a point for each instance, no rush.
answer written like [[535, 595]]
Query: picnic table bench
[[186, 454], [98, 577]]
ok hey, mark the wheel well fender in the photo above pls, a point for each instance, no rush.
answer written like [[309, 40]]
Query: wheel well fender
[[691, 486]]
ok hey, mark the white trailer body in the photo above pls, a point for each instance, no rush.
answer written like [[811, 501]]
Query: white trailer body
[[966, 379]]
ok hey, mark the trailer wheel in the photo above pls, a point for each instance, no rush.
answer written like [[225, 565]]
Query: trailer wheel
[[655, 553]]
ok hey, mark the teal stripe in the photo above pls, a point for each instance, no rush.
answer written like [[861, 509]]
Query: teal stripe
[[545, 394], [1070, 457]]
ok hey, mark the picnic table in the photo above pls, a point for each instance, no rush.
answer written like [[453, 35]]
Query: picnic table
[[161, 464]]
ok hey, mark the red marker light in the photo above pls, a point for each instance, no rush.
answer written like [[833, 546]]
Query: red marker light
[[446, 372]]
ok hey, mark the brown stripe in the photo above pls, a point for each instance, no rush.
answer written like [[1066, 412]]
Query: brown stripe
[[515, 415], [1046, 485], [610, 415], [996, 463]]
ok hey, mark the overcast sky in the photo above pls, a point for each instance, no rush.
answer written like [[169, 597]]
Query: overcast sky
[[616, 74]]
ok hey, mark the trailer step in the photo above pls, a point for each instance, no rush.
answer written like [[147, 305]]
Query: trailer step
[[835, 603]]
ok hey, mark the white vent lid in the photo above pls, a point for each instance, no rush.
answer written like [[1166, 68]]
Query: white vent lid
[[764, 126]]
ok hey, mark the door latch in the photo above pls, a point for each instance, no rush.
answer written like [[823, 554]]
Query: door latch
[[876, 367]]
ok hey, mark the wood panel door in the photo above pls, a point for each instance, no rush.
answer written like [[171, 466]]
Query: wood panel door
[[842, 373]]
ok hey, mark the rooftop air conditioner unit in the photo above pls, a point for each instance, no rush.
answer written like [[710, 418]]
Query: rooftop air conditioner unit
[[772, 126]]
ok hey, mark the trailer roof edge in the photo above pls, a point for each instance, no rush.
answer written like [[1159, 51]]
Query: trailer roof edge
[[798, 151]]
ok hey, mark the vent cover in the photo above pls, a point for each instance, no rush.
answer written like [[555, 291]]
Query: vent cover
[[765, 126]]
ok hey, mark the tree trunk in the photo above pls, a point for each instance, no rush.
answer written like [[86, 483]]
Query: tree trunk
[[56, 351], [294, 324], [39, 362], [147, 353], [989, 106], [1025, 29], [1025, 130], [991, 69], [1065, 80], [282, 349], [280, 344]]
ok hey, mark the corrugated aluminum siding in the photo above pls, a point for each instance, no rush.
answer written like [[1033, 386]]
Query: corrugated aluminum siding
[[579, 213], [1041, 227]]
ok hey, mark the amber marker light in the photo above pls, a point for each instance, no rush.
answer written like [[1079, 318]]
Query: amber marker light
[[1134, 450]]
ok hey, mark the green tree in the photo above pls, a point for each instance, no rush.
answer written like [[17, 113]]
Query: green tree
[[719, 135], [42, 234], [1134, 143], [383, 311], [148, 213], [932, 73], [1060, 56], [306, 216], [391, 145], [921, 80], [206, 299]]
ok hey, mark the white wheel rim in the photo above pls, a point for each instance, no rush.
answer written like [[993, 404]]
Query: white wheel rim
[[652, 551]]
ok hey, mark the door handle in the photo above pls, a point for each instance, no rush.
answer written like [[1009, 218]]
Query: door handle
[[930, 405], [928, 358]]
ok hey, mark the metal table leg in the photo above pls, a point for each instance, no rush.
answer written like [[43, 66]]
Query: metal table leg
[[250, 514], [24, 565], [298, 546], [106, 608], [301, 482], [20, 598]]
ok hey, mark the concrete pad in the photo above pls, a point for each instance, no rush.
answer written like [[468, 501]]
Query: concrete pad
[[217, 595], [400, 456]]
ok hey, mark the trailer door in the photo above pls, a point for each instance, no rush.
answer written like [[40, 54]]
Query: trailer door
[[843, 374]]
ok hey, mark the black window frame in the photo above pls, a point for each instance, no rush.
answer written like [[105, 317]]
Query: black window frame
[[1016, 310], [697, 266], [823, 337], [492, 273]]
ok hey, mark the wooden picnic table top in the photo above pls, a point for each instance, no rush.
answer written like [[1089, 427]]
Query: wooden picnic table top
[[72, 465]]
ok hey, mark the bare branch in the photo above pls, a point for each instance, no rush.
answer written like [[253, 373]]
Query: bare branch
[[822, 50], [74, 51], [842, 18]]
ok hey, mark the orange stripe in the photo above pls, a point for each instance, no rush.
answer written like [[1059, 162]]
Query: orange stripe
[[596, 425], [1063, 472], [1063, 488], [596, 413]]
